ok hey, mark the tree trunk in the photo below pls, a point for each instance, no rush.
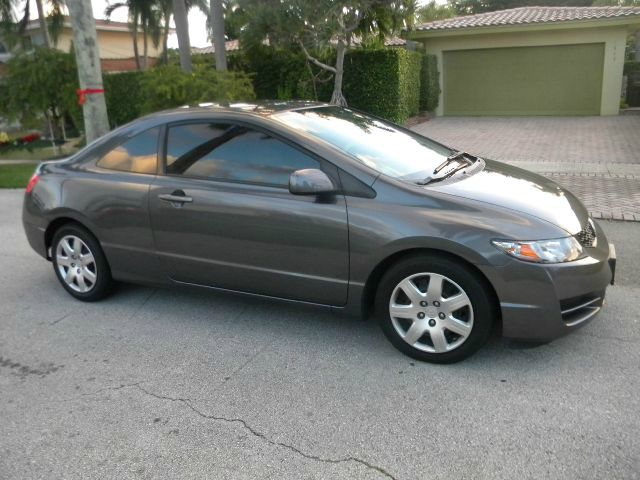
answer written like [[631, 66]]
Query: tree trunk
[[182, 30], [217, 21], [165, 38], [337, 98], [134, 33], [43, 24], [94, 109], [145, 49]]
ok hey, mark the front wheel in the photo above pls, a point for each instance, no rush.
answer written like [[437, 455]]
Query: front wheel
[[80, 264], [434, 309]]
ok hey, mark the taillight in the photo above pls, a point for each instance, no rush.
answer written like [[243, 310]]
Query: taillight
[[33, 182]]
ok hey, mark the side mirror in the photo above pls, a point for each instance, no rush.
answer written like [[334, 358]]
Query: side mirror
[[310, 181]]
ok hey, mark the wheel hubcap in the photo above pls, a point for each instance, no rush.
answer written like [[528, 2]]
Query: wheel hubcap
[[431, 312], [76, 264]]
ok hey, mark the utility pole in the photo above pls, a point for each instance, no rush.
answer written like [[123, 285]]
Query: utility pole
[[91, 93], [182, 30], [217, 21]]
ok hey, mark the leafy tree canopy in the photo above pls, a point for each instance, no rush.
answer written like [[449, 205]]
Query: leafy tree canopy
[[41, 82]]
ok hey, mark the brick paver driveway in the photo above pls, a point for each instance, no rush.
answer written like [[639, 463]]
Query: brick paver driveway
[[596, 158], [542, 139]]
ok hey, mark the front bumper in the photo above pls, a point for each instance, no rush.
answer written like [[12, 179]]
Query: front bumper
[[542, 302]]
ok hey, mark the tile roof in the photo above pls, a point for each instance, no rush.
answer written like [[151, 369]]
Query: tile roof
[[529, 15], [229, 46]]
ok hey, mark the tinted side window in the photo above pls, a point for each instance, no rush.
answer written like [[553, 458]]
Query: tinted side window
[[138, 154], [234, 153]]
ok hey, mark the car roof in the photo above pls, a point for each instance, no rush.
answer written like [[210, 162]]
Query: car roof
[[261, 108]]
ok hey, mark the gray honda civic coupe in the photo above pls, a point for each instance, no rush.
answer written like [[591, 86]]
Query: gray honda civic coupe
[[313, 203]]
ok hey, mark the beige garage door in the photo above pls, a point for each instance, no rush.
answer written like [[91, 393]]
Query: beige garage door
[[552, 80]]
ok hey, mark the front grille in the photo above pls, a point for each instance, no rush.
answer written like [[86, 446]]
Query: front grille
[[587, 236]]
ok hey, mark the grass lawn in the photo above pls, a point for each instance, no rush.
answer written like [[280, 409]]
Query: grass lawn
[[16, 176], [40, 150]]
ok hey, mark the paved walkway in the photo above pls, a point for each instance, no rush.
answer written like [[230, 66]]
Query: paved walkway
[[597, 158]]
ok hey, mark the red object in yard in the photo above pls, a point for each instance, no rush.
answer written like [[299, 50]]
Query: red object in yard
[[32, 137]]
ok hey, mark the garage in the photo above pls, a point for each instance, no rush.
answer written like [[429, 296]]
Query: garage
[[530, 60], [549, 80]]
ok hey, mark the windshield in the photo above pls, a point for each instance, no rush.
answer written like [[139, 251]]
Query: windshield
[[378, 144]]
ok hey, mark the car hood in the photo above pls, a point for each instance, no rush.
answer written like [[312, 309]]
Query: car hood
[[522, 191]]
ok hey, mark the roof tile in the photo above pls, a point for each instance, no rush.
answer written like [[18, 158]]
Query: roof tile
[[528, 15]]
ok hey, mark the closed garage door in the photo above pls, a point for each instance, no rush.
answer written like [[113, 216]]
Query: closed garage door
[[553, 80]]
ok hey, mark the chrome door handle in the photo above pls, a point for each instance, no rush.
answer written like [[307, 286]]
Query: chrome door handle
[[168, 197]]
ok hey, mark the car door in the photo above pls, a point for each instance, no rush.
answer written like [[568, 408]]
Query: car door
[[222, 216]]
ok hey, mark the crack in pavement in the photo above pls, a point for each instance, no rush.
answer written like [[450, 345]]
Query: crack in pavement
[[186, 402], [61, 318]]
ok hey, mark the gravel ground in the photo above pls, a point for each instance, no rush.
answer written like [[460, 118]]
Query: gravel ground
[[189, 384]]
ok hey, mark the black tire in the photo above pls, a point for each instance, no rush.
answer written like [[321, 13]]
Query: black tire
[[483, 306], [103, 282]]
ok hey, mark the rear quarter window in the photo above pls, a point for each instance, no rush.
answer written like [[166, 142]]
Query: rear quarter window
[[138, 154]]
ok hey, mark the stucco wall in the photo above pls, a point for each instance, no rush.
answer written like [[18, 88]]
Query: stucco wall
[[614, 39], [112, 44]]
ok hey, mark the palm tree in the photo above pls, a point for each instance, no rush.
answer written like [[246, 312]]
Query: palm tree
[[143, 15], [50, 25], [217, 22]]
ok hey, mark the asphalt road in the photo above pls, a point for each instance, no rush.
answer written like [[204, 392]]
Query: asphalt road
[[189, 384]]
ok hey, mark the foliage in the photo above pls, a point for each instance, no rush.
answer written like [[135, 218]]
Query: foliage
[[168, 87], [39, 83], [429, 83], [434, 11], [383, 82], [122, 94], [282, 74], [320, 25], [15, 176], [631, 67], [470, 7]]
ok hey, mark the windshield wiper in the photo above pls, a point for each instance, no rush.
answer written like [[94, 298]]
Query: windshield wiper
[[467, 160]]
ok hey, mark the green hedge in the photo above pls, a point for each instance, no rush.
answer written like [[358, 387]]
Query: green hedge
[[123, 94], [168, 87], [281, 74], [384, 82], [631, 67], [429, 83]]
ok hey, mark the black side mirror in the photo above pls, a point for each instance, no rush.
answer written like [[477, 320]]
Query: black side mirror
[[310, 181]]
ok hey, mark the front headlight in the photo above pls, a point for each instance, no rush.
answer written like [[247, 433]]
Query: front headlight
[[542, 251]]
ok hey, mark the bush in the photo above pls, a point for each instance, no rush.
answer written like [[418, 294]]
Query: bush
[[384, 82], [631, 67], [169, 87], [281, 74], [40, 83], [429, 83], [123, 94]]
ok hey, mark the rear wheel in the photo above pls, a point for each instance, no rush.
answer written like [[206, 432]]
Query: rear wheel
[[80, 264], [434, 309]]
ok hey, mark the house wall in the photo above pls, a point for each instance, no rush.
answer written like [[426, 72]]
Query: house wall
[[112, 44], [614, 39]]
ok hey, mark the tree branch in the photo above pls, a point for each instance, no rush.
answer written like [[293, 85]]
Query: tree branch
[[315, 61]]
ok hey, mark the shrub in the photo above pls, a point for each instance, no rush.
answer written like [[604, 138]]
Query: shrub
[[281, 74], [169, 87], [631, 67], [123, 94], [429, 83], [40, 83], [384, 82]]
